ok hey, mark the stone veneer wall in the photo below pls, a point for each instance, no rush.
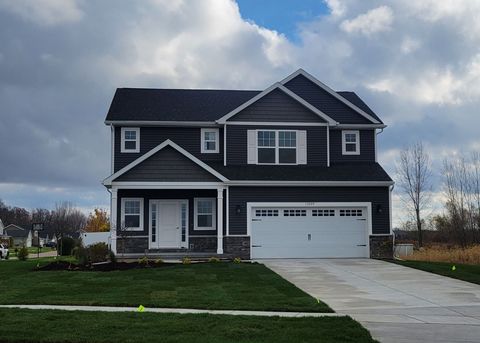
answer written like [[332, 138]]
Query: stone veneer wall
[[381, 247], [133, 245], [237, 247], [202, 244]]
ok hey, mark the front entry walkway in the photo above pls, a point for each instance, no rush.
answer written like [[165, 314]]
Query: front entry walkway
[[396, 303]]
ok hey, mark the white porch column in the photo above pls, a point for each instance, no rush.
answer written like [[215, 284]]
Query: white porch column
[[219, 221], [113, 220]]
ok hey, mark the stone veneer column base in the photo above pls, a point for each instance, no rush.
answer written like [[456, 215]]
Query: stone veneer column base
[[381, 247], [237, 246], [131, 245]]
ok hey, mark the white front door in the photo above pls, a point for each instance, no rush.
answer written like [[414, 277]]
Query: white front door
[[168, 223]]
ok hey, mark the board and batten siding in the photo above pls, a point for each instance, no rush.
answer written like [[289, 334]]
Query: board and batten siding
[[168, 165], [277, 106], [186, 137], [367, 147], [239, 196], [237, 143]]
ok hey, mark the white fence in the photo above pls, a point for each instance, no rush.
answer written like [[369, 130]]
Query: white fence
[[89, 238]]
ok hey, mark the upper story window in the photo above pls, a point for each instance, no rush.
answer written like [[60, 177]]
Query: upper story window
[[130, 139], [351, 142], [209, 141], [276, 147], [132, 214]]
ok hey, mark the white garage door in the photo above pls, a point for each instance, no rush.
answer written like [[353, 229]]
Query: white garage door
[[313, 232]]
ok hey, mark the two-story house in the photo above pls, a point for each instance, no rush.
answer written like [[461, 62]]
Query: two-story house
[[290, 171]]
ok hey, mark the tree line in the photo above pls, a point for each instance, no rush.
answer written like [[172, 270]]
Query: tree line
[[459, 222]]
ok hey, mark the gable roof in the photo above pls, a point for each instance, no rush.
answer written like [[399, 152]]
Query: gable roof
[[287, 92], [143, 106], [329, 95], [166, 143], [13, 230]]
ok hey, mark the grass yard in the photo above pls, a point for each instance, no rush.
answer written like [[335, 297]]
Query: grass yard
[[465, 272], [95, 327], [242, 286]]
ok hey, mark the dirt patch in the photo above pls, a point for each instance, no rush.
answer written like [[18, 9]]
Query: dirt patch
[[101, 267]]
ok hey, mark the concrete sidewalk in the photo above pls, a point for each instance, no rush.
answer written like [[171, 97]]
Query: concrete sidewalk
[[173, 310]]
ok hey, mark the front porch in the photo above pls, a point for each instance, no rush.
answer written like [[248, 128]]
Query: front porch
[[168, 221]]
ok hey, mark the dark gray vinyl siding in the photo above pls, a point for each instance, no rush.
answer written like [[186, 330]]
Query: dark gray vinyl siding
[[168, 165], [186, 137], [239, 196], [237, 143], [150, 194], [367, 147], [277, 106], [324, 101]]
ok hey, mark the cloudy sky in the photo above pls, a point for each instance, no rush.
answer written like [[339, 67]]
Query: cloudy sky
[[416, 63]]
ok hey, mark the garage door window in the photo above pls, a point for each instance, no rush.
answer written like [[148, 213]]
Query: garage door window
[[266, 213], [351, 213], [294, 213], [323, 213]]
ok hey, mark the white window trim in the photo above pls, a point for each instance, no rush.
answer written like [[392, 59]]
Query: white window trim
[[344, 143], [202, 141], [122, 218], [137, 140], [277, 147], [214, 215]]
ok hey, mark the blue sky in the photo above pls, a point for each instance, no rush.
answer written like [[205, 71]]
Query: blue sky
[[415, 63], [282, 16]]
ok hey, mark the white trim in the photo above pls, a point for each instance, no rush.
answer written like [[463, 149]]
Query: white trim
[[367, 205], [181, 244], [360, 126], [161, 123], [225, 144], [311, 183], [122, 216], [220, 221], [123, 140], [328, 146], [277, 147], [330, 91], [202, 140], [214, 214], [113, 220], [273, 123], [227, 211], [165, 185], [357, 142], [112, 148], [276, 85], [390, 190], [168, 142], [375, 144]]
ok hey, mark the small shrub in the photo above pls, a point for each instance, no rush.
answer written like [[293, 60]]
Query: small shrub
[[81, 254], [213, 259], [98, 252], [143, 261], [158, 261], [112, 257], [237, 260], [66, 245], [22, 253], [186, 260]]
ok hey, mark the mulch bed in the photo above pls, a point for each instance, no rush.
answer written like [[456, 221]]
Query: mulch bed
[[102, 267]]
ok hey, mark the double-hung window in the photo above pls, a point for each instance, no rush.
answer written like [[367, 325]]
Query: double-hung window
[[205, 214], [351, 142], [276, 147], [130, 139], [209, 141], [132, 214]]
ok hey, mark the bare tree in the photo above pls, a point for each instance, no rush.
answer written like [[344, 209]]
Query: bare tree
[[66, 220], [414, 174]]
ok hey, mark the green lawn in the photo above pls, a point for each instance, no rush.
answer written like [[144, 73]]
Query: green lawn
[[242, 286], [465, 272], [89, 327]]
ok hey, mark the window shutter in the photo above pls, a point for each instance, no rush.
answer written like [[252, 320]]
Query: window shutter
[[251, 147], [302, 147]]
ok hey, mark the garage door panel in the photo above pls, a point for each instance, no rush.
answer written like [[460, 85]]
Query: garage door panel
[[310, 233]]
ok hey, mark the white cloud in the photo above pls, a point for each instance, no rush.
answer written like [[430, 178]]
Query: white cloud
[[376, 20], [45, 12], [337, 7], [409, 45]]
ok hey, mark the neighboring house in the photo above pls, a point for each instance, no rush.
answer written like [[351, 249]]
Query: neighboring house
[[290, 171], [21, 237]]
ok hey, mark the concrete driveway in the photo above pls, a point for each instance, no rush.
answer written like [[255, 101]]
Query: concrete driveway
[[396, 303]]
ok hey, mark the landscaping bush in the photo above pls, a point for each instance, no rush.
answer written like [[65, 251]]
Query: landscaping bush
[[158, 261], [98, 252], [143, 261], [81, 254], [213, 259], [22, 253], [66, 245], [237, 260], [186, 260], [112, 257]]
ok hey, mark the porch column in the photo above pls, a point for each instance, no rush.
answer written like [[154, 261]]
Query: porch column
[[113, 221], [219, 221]]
